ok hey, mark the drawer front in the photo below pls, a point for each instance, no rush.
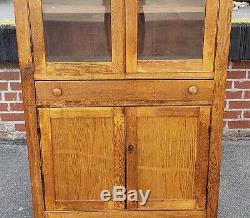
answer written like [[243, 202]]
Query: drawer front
[[124, 92]]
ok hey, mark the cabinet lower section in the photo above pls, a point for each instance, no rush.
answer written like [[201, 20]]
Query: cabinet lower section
[[161, 149], [128, 214]]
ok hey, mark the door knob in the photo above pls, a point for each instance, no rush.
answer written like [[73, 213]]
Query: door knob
[[193, 90], [57, 92], [130, 147]]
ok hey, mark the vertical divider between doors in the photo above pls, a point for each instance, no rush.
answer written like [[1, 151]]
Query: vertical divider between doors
[[131, 36], [119, 151]]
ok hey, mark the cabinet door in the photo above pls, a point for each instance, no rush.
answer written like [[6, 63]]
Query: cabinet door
[[170, 38], [169, 156], [78, 39], [82, 154]]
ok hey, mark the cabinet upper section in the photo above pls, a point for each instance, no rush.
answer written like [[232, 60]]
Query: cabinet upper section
[[116, 39]]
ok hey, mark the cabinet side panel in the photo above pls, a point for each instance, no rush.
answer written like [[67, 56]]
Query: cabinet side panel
[[27, 72], [221, 63]]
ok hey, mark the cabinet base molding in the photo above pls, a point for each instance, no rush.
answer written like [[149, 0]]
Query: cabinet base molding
[[128, 214]]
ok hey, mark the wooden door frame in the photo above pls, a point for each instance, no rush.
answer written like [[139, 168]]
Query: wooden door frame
[[45, 116], [193, 68], [79, 70], [203, 113]]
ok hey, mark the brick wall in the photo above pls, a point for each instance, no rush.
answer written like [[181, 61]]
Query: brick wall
[[11, 107], [237, 104]]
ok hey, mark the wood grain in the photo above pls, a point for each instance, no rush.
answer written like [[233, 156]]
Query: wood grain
[[122, 93], [83, 154], [210, 31], [27, 72], [170, 156], [131, 36], [221, 63], [37, 36], [131, 156], [128, 214]]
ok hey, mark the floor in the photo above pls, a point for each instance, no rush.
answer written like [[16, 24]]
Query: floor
[[235, 180]]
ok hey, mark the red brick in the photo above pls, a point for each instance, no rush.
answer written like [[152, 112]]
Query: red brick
[[239, 104], [3, 107], [229, 85], [20, 95], [232, 114], [236, 74], [3, 86], [246, 114], [241, 65], [16, 106], [20, 127], [15, 86], [10, 96], [12, 117], [247, 95], [242, 85], [242, 124], [9, 76], [233, 95]]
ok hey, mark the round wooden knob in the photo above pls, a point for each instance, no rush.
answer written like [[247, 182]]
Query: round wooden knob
[[193, 90], [130, 148], [57, 92]]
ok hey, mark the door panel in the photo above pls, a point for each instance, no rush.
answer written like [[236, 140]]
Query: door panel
[[83, 154], [169, 156], [78, 39], [169, 36]]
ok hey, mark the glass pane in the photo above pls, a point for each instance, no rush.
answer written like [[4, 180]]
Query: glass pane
[[170, 29], [77, 30]]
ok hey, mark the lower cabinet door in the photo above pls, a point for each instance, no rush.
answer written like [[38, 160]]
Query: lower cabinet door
[[167, 153], [82, 154]]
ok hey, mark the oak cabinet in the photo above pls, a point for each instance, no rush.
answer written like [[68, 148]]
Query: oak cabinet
[[126, 93]]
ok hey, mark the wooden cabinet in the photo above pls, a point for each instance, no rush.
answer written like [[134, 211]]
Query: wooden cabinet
[[127, 94]]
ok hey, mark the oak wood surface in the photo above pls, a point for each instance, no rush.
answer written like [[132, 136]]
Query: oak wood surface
[[128, 214], [170, 156], [83, 154], [122, 93], [221, 63], [28, 87]]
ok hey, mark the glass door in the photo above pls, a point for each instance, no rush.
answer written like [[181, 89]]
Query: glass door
[[170, 38], [78, 39]]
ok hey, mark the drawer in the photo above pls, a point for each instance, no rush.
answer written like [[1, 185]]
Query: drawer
[[124, 92]]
